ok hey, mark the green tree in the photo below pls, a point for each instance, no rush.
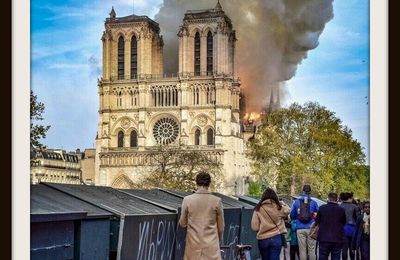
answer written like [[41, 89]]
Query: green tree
[[38, 131], [176, 168], [255, 189], [308, 144]]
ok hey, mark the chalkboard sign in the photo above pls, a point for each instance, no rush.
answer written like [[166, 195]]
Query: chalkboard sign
[[147, 237]]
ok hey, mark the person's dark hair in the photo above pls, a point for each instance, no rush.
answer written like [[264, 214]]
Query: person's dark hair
[[268, 194], [366, 202], [307, 189], [346, 195], [203, 179], [332, 196]]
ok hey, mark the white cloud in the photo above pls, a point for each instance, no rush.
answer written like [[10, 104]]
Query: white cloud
[[51, 42]]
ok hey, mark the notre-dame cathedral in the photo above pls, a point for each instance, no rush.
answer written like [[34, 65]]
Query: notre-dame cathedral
[[141, 108]]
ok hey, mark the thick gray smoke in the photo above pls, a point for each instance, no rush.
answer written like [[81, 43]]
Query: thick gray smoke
[[273, 38]]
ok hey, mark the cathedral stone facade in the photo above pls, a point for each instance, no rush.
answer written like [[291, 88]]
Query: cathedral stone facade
[[141, 109]]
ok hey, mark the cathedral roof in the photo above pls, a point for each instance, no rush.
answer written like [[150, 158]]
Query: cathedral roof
[[207, 13], [113, 19]]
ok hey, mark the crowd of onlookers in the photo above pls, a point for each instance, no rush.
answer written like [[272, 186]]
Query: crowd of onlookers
[[336, 230]]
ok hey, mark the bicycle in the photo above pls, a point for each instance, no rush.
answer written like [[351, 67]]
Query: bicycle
[[242, 252]]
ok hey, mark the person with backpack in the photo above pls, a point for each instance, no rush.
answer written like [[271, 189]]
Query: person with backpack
[[304, 211]]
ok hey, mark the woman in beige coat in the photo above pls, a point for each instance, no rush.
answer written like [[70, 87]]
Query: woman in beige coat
[[268, 222]]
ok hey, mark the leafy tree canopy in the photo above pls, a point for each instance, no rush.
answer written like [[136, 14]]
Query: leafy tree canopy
[[308, 144], [38, 131], [174, 168]]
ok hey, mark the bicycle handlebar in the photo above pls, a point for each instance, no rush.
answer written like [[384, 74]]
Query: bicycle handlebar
[[237, 246]]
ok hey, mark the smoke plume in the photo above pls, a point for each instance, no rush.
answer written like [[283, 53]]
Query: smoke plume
[[273, 38]]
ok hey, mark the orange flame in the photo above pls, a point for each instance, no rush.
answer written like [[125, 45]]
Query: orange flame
[[254, 116]]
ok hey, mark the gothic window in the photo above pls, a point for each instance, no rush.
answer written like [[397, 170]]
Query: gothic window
[[209, 53], [133, 98], [173, 97], [119, 99], [134, 139], [165, 96], [165, 131], [209, 95], [197, 137], [210, 137], [196, 96], [121, 57], [133, 57], [120, 139], [197, 54], [154, 95]]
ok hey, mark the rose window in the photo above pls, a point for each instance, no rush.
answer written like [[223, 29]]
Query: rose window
[[165, 131]]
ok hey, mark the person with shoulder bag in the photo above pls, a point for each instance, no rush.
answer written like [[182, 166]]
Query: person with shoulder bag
[[269, 222], [314, 230]]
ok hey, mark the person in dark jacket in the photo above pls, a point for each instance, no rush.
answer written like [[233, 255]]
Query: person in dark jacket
[[361, 234], [352, 213], [331, 219]]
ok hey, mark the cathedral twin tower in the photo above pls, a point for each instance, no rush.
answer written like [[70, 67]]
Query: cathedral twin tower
[[141, 109]]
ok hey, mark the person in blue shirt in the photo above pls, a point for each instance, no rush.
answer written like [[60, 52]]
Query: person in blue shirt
[[304, 211], [352, 213]]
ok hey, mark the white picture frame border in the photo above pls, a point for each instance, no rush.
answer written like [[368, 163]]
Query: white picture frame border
[[20, 128]]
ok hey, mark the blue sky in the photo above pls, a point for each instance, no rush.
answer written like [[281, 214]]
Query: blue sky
[[336, 73], [66, 62]]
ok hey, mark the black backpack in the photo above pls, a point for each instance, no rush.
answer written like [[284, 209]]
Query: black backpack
[[305, 214]]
